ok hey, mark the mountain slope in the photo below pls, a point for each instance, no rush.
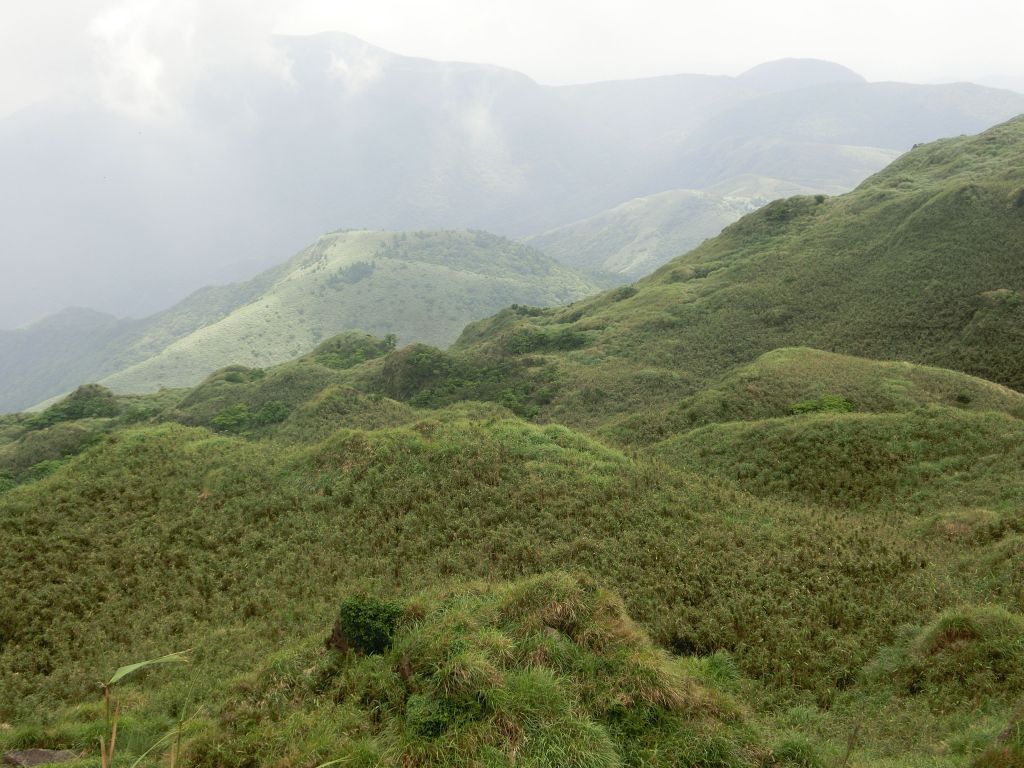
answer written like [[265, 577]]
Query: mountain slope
[[921, 262], [632, 239], [418, 286], [60, 352]]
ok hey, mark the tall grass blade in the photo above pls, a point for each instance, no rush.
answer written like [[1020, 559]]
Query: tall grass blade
[[179, 657]]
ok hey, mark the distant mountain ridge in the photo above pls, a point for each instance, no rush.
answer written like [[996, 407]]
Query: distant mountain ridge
[[354, 136], [419, 286], [793, 74], [632, 239]]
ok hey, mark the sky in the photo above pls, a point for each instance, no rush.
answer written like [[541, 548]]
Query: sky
[[149, 50]]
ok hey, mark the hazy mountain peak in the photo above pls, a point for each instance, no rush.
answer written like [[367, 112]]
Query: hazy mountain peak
[[344, 52], [791, 74]]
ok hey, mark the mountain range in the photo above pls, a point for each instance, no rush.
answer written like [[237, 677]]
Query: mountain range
[[254, 163]]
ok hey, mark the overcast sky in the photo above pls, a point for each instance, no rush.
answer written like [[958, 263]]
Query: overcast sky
[[48, 46]]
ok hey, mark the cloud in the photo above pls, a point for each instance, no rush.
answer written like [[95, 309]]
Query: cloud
[[356, 72], [149, 56]]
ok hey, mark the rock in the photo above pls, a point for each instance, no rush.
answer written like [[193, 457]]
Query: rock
[[27, 757]]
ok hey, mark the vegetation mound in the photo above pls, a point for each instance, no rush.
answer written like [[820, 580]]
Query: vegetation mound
[[966, 655], [541, 672], [908, 459], [1008, 749], [793, 381], [800, 380]]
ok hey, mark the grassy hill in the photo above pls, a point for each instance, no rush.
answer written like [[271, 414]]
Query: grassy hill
[[58, 353], [633, 239], [794, 381], [905, 459], [779, 559], [419, 286], [919, 263]]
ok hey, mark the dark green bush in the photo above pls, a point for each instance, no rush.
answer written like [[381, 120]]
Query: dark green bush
[[351, 274], [365, 625], [272, 412], [87, 402], [413, 368], [233, 418], [350, 349], [623, 293], [526, 340]]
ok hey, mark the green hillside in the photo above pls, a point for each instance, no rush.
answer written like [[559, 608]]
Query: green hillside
[[58, 353], [785, 595], [915, 460], [794, 381], [633, 239], [920, 263], [781, 524], [418, 286]]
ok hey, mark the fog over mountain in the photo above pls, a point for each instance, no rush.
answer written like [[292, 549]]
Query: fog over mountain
[[124, 212]]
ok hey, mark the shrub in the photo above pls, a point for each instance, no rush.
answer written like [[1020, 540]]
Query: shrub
[[236, 374], [365, 625], [271, 412], [624, 292], [87, 402], [350, 349], [409, 370], [234, 418], [525, 340], [351, 274]]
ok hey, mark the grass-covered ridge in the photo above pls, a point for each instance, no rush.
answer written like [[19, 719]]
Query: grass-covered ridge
[[920, 263], [903, 459], [635, 238], [799, 380], [784, 382], [421, 286], [417, 286]]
